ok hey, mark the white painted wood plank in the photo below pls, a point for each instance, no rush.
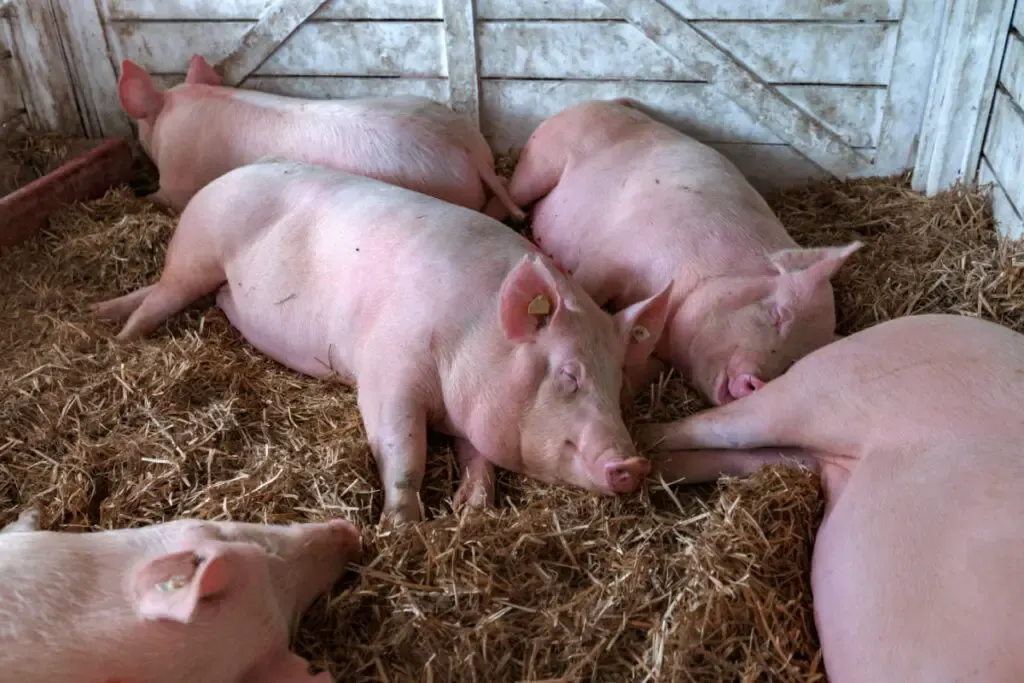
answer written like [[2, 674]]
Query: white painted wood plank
[[689, 46], [1018, 17], [853, 112], [858, 54], [916, 45], [461, 57], [1009, 223], [121, 10], [278, 21], [860, 10], [46, 85], [778, 53], [326, 87], [511, 109], [1004, 147], [409, 49], [1012, 75], [969, 52], [10, 93], [91, 69], [573, 50]]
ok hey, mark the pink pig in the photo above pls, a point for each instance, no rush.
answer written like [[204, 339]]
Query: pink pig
[[438, 314], [200, 130], [178, 602], [628, 204], [917, 428]]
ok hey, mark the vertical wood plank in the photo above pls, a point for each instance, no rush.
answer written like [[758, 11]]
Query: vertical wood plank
[[278, 21], [463, 63], [907, 94], [47, 86], [1009, 223], [970, 49], [677, 36], [11, 103], [91, 69]]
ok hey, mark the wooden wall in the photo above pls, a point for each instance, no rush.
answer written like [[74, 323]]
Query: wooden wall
[[1002, 158], [11, 102], [855, 69]]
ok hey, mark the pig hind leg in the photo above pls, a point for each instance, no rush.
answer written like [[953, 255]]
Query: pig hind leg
[[123, 306], [396, 427], [537, 173]]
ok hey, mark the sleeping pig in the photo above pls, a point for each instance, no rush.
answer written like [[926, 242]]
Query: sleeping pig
[[917, 428], [628, 204], [200, 129], [178, 602], [438, 314]]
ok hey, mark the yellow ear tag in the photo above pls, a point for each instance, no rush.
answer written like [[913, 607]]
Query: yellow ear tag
[[540, 306], [640, 333], [175, 583]]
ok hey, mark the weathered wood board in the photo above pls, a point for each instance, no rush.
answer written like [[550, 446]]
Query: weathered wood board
[[791, 89]]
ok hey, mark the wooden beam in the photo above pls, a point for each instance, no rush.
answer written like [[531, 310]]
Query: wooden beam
[[681, 39], [90, 67], [907, 94], [279, 20], [461, 55], [970, 50], [45, 84]]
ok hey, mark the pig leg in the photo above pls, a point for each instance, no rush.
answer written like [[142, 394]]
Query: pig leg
[[159, 198], [476, 483], [639, 377], [396, 428], [287, 667], [697, 467], [123, 306], [771, 416], [28, 520]]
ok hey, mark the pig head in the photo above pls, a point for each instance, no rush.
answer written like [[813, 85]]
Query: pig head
[[183, 600], [738, 332], [565, 378]]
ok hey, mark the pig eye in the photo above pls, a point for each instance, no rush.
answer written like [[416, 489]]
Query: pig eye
[[568, 382]]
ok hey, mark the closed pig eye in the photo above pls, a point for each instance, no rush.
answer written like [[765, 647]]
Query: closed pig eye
[[567, 382]]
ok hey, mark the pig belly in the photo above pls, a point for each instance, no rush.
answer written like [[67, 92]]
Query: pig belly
[[916, 570], [291, 331]]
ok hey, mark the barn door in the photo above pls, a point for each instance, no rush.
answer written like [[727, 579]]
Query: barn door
[[789, 89]]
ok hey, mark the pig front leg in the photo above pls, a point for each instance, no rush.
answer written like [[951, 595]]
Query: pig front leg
[[476, 483], [702, 466], [28, 520], [397, 430], [771, 416]]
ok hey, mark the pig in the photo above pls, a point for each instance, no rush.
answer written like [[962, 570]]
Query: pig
[[627, 203], [437, 314], [177, 602], [916, 426], [201, 129]]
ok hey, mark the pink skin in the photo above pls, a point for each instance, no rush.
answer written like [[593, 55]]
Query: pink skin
[[200, 130], [423, 305], [915, 425], [628, 204], [106, 606]]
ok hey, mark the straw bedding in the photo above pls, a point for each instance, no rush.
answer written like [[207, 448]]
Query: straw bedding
[[689, 584]]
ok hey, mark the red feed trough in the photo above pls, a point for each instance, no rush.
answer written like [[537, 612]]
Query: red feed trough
[[85, 177]]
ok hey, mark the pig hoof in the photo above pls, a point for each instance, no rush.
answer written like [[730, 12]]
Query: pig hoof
[[401, 513]]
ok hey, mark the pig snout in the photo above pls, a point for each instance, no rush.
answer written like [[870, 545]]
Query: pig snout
[[744, 385], [340, 537], [625, 475], [320, 554]]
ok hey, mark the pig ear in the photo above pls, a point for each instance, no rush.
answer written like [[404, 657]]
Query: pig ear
[[641, 325], [138, 94], [171, 586], [200, 72], [818, 264], [529, 298]]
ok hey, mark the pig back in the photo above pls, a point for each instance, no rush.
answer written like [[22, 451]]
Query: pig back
[[355, 262]]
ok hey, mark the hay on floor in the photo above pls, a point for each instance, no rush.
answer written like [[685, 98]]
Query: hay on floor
[[707, 584]]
